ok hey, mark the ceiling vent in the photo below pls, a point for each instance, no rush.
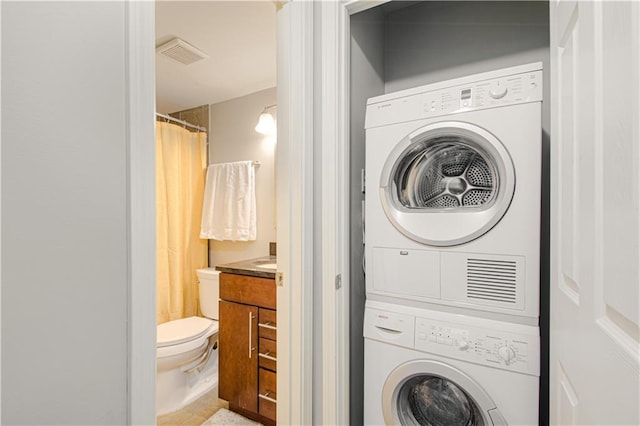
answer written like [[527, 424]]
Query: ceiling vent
[[181, 51]]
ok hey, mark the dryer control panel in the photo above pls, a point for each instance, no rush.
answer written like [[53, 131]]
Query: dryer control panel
[[489, 346], [490, 90]]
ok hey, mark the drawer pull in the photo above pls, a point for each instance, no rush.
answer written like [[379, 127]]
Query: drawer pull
[[267, 397], [251, 317], [268, 356], [267, 325]]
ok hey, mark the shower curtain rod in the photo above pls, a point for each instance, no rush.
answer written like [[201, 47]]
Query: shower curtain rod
[[184, 123]]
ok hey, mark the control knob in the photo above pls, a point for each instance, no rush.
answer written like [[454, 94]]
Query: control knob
[[498, 90], [463, 345], [507, 354]]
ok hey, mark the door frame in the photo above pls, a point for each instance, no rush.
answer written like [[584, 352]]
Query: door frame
[[140, 140], [334, 164], [295, 214]]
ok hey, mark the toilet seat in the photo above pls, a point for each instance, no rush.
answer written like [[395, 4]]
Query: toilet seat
[[178, 336]]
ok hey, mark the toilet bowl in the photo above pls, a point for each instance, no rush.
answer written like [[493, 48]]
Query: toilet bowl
[[187, 354]]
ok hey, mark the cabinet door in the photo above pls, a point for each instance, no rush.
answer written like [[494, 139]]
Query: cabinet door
[[238, 357]]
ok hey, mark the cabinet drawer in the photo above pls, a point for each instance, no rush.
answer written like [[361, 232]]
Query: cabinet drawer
[[267, 323], [267, 358], [267, 395], [248, 290]]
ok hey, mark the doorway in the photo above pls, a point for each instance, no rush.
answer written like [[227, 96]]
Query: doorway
[[215, 74]]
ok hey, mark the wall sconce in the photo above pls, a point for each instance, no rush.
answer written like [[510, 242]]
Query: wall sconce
[[266, 123]]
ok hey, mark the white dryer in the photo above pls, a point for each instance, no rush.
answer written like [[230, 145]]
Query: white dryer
[[426, 367], [453, 178]]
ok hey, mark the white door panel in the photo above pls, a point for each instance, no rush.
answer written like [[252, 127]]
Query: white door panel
[[620, 49], [400, 272], [595, 211]]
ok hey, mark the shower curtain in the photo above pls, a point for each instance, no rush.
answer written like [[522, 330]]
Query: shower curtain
[[180, 175]]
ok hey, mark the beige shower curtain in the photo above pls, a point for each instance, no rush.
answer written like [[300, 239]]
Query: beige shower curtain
[[180, 175]]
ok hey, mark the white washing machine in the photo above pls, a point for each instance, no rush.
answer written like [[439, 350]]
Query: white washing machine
[[452, 210], [435, 368]]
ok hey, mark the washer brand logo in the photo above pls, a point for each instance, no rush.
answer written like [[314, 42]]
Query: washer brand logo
[[382, 316]]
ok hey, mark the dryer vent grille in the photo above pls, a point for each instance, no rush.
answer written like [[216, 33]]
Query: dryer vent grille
[[492, 280]]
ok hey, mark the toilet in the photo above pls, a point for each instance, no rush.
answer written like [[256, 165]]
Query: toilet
[[187, 351]]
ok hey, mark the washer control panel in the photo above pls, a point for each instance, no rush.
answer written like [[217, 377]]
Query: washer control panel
[[494, 347]]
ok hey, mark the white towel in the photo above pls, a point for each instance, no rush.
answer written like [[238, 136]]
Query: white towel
[[229, 207]]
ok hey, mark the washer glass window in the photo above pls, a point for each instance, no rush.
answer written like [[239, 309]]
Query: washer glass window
[[429, 400], [445, 172]]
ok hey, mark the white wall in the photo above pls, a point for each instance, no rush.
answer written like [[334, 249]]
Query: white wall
[[233, 138], [64, 213]]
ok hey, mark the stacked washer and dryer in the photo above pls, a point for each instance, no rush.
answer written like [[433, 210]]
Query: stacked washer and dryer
[[453, 184]]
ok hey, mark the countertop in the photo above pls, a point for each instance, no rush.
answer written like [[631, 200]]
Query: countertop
[[250, 267]]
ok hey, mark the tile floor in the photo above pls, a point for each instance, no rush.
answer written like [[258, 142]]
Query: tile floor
[[195, 413]]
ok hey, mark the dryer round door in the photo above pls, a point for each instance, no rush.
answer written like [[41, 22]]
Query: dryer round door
[[431, 393], [447, 183]]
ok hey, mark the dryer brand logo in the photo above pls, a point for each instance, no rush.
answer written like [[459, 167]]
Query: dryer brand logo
[[381, 316]]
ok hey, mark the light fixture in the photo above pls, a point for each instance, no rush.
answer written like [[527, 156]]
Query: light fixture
[[266, 123]]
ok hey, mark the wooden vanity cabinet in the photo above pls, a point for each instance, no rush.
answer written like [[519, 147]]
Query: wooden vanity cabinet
[[247, 346]]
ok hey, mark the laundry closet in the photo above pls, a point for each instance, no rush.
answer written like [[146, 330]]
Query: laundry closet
[[402, 45]]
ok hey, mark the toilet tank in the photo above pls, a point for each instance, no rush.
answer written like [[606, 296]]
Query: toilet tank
[[209, 287]]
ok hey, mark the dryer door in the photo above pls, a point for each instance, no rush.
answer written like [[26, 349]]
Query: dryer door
[[447, 183], [426, 392]]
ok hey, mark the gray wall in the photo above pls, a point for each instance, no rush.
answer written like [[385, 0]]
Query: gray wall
[[64, 213], [367, 60], [440, 40], [232, 137]]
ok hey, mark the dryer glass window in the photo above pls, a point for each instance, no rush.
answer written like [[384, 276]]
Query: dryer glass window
[[429, 400], [446, 172]]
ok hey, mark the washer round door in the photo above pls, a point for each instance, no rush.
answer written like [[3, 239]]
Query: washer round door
[[431, 393], [447, 183]]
